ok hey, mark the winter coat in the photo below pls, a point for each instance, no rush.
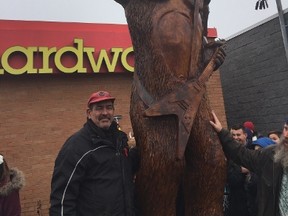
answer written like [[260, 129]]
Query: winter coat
[[9, 194], [237, 197], [251, 192], [260, 162], [93, 174]]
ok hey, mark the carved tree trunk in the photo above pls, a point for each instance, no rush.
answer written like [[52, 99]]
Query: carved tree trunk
[[167, 36]]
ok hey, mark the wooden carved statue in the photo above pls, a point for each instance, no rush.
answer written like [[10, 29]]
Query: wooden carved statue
[[182, 164]]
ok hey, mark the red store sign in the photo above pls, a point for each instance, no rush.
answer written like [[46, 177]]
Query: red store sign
[[34, 47]]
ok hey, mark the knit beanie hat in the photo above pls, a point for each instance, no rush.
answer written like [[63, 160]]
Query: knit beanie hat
[[249, 125], [263, 142]]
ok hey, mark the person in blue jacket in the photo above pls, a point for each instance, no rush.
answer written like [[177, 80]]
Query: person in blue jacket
[[95, 168]]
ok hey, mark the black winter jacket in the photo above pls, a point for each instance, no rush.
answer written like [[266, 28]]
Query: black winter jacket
[[237, 197], [93, 174], [260, 162]]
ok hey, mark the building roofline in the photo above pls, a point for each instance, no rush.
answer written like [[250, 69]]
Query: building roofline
[[256, 25]]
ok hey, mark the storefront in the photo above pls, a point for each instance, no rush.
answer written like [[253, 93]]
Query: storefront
[[47, 72]]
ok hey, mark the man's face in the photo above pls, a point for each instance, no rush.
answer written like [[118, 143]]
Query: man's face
[[274, 137], [281, 150], [102, 113], [239, 135]]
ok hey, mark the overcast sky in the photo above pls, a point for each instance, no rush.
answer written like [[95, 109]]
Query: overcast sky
[[228, 16]]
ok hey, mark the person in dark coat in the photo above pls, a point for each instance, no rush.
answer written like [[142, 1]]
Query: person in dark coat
[[94, 170], [11, 181], [270, 165], [236, 179], [237, 197]]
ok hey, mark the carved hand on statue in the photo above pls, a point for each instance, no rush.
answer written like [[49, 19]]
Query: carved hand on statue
[[220, 57], [216, 124], [217, 46]]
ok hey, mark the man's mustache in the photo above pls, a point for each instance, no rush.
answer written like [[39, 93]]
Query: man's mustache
[[104, 117]]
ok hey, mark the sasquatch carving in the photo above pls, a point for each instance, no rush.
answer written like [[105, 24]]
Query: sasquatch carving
[[170, 110]]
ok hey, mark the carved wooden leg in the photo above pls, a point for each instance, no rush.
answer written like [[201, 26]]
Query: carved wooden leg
[[159, 176], [204, 176]]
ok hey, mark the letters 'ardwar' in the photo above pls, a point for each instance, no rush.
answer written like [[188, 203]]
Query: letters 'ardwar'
[[78, 52]]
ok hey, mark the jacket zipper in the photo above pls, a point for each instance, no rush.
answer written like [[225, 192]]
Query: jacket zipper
[[119, 149]]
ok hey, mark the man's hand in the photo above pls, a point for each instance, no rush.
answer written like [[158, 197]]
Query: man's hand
[[216, 50], [216, 123], [244, 170]]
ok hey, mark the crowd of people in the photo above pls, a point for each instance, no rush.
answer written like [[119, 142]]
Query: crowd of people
[[269, 164], [95, 169], [240, 197], [115, 166]]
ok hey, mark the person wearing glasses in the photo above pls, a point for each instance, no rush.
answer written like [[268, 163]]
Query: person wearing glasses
[[94, 170]]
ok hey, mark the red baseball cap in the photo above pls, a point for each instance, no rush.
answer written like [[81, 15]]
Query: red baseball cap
[[100, 96], [249, 125]]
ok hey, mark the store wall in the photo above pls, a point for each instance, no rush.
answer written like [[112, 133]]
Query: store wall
[[39, 112], [255, 77]]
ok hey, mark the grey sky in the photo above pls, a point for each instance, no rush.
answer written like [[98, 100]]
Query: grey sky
[[228, 16]]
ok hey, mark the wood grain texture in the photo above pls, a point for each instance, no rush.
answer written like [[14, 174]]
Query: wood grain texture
[[168, 37]]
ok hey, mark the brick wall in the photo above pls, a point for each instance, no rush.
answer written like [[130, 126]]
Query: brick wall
[[255, 77], [38, 113], [215, 95]]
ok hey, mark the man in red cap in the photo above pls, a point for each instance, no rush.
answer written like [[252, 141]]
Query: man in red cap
[[94, 170], [101, 109]]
